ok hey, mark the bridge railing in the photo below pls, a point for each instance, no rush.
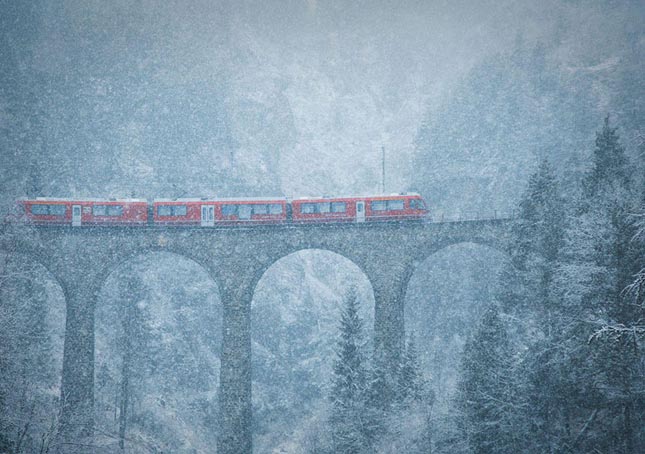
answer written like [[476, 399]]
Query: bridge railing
[[464, 216]]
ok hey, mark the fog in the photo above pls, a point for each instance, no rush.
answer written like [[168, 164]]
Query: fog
[[532, 112]]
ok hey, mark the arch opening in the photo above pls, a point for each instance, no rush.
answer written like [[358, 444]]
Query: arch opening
[[32, 330], [295, 326], [445, 298], [157, 355]]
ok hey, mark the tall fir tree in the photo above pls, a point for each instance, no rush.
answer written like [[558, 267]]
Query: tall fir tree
[[411, 388], [26, 362], [485, 396], [349, 382], [536, 246], [599, 261], [609, 173], [408, 425]]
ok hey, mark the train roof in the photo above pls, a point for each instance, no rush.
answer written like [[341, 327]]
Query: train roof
[[215, 199], [364, 196], [77, 199], [281, 199], [223, 199]]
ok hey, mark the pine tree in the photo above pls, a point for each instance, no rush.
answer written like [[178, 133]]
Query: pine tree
[[349, 382], [407, 425], [26, 362], [411, 388], [537, 238], [609, 173], [485, 395], [537, 244], [599, 261], [379, 397]]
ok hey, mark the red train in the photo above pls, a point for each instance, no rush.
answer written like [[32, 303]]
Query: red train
[[210, 212]]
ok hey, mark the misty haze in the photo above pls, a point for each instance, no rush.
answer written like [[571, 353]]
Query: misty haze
[[322, 226]]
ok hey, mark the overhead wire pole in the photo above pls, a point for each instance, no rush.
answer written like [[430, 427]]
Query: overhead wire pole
[[383, 170]]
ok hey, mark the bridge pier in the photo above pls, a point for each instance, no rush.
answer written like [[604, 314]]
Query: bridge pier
[[77, 385], [389, 281], [236, 285]]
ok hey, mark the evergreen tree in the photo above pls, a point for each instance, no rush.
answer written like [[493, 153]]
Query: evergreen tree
[[600, 259], [406, 425], [485, 395], [349, 382], [379, 397], [26, 363], [537, 243], [609, 172], [410, 384]]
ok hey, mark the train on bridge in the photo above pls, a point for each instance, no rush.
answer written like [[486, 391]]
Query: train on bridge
[[213, 212]]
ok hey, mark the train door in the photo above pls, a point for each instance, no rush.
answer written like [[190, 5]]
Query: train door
[[360, 211], [208, 215], [76, 215]]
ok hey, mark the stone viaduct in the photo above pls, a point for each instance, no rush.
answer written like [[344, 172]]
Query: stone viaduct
[[81, 258]]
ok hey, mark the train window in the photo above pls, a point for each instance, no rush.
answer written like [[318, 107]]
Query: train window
[[417, 204], [107, 210], [275, 208], [179, 210], [378, 205], [57, 210], [39, 209], [324, 207], [260, 209], [115, 210], [229, 210], [393, 205], [338, 207], [171, 210], [308, 208]]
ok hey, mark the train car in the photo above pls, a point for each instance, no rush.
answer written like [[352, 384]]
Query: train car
[[83, 212], [178, 212], [211, 212], [252, 211], [394, 207], [326, 209]]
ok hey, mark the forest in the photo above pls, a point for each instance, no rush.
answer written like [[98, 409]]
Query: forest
[[533, 111]]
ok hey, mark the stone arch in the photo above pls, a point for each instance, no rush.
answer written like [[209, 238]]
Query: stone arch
[[337, 250], [496, 247], [491, 240], [298, 365], [493, 244], [127, 256], [34, 255], [441, 309], [182, 303]]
